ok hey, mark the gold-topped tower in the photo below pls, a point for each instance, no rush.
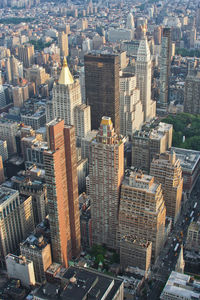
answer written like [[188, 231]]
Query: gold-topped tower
[[65, 75]]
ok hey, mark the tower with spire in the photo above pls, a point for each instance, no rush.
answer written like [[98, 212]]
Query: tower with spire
[[130, 22], [66, 95], [143, 75], [180, 265]]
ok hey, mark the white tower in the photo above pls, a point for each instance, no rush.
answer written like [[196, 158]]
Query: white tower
[[143, 75], [180, 265], [130, 22], [66, 95]]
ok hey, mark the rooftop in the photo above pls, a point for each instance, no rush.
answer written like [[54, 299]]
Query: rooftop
[[184, 286], [188, 158], [7, 193], [35, 241], [81, 283]]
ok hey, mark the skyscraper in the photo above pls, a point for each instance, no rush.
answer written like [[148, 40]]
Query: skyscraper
[[192, 91], [62, 191], [143, 75], [106, 172], [26, 54], [166, 170], [102, 88], [131, 111], [63, 43], [130, 22], [66, 95], [142, 210], [165, 65]]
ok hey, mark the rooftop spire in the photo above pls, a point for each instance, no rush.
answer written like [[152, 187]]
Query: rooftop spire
[[65, 75]]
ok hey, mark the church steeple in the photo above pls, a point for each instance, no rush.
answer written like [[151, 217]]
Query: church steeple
[[65, 75], [180, 265]]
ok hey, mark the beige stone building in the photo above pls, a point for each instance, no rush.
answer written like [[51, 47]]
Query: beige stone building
[[36, 249], [131, 110], [26, 54], [193, 237], [106, 171], [66, 96], [63, 43], [142, 210], [16, 220], [166, 170], [135, 252], [149, 142]]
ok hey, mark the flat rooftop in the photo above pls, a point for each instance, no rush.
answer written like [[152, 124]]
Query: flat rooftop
[[81, 283], [6, 193], [188, 158], [183, 286]]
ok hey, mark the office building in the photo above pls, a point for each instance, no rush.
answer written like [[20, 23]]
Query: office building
[[193, 237], [135, 253], [82, 120], [20, 268], [35, 120], [16, 220], [26, 54], [166, 170], [143, 75], [38, 75], [165, 65], [131, 110], [120, 34], [130, 22], [142, 210], [82, 283], [38, 192], [2, 97], [102, 88], [149, 142], [181, 286], [190, 164], [66, 95], [63, 43], [106, 171], [192, 92], [3, 150], [36, 249], [8, 132], [62, 191], [85, 144], [157, 35]]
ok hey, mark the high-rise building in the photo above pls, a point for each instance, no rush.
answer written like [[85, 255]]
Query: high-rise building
[[66, 95], [16, 220], [143, 75], [130, 21], [62, 191], [106, 170], [157, 35], [165, 65], [142, 210], [63, 43], [102, 88], [3, 150], [147, 143], [192, 91], [18, 98], [36, 249], [166, 170], [131, 110], [26, 54], [82, 120], [136, 253], [2, 97], [8, 131]]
